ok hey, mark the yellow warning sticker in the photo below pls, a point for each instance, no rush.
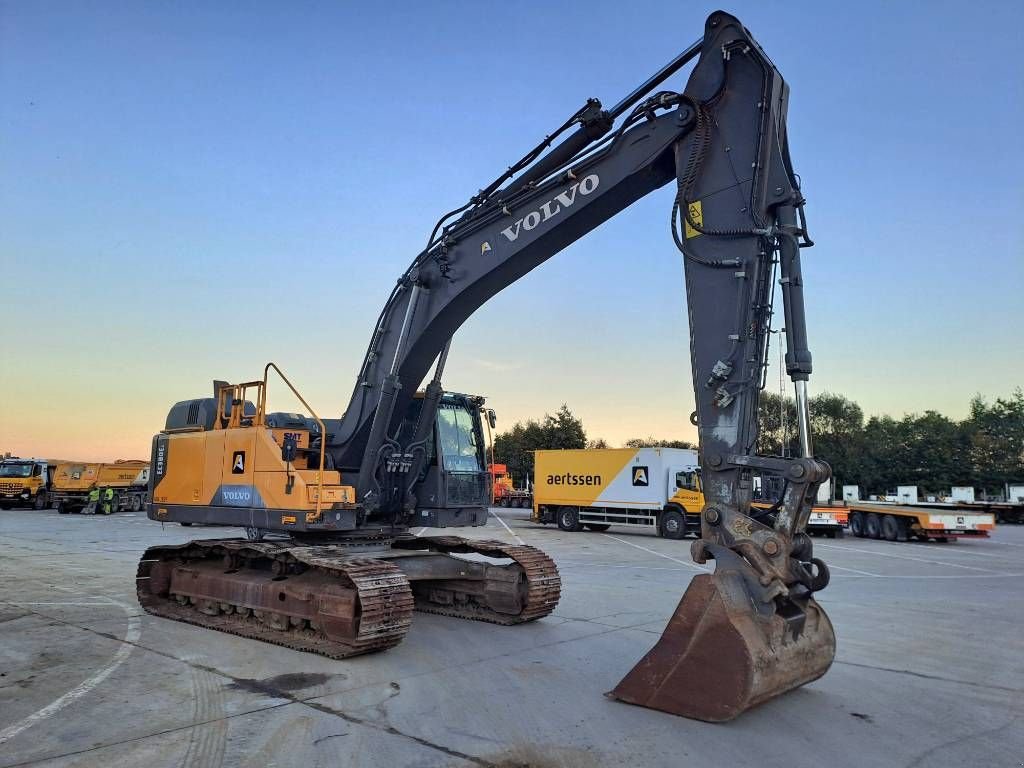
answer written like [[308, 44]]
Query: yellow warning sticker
[[696, 216], [287, 519]]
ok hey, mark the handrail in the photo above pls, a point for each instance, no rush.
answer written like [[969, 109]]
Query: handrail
[[261, 419]]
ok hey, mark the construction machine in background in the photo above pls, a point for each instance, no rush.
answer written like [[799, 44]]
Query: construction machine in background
[[348, 575], [504, 493]]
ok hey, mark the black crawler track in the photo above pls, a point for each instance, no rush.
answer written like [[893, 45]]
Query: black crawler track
[[542, 583], [380, 614], [383, 607]]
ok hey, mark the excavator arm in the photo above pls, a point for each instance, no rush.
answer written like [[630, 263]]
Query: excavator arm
[[752, 629]]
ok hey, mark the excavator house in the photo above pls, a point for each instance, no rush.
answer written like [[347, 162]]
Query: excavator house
[[341, 572]]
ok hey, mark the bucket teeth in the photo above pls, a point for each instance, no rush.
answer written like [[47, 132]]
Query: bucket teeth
[[718, 656]]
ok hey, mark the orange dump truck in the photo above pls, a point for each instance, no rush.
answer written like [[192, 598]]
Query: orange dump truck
[[73, 481], [902, 522]]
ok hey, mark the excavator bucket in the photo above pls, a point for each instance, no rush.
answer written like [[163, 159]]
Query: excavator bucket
[[724, 652]]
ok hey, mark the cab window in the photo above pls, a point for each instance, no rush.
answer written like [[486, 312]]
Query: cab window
[[457, 438], [689, 481]]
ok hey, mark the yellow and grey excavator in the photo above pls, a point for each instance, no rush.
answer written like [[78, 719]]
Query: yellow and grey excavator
[[341, 572]]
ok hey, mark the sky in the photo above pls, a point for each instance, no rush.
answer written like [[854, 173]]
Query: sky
[[191, 189]]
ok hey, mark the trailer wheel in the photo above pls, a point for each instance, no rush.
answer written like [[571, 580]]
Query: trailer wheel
[[890, 528], [873, 526], [672, 524], [569, 519], [136, 504], [598, 527], [857, 524]]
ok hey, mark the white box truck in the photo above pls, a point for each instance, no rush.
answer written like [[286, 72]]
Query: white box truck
[[654, 488]]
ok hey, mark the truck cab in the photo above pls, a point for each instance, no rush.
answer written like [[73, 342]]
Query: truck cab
[[25, 483], [685, 488]]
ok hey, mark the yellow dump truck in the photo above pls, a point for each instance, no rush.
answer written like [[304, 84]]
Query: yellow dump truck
[[25, 483], [654, 488], [72, 482]]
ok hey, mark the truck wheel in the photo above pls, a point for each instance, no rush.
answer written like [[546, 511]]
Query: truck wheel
[[503, 501], [62, 508], [873, 526], [857, 524], [598, 527], [672, 524], [890, 528], [136, 504], [569, 519], [40, 501]]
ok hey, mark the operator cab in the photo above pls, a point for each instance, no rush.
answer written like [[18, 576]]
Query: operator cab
[[454, 483]]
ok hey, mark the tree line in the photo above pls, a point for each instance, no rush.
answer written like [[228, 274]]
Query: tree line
[[985, 450]]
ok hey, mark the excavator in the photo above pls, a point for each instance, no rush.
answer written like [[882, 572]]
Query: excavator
[[332, 564]]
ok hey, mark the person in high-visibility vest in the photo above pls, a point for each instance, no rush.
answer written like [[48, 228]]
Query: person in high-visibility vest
[[94, 502], [108, 501]]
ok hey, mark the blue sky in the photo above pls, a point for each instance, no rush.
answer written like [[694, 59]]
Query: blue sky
[[191, 189]]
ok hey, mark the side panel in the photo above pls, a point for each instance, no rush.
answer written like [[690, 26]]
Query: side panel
[[72, 477], [181, 481], [581, 478], [121, 474]]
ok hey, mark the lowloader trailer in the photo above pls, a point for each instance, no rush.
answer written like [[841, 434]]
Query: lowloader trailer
[[653, 488], [900, 522]]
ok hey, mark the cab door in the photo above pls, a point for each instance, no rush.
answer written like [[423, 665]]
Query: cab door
[[685, 488]]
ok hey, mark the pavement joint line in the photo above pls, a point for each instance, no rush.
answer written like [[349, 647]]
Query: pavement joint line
[[310, 701], [131, 637], [908, 557], [659, 554], [287, 698], [956, 549], [926, 676], [510, 531], [965, 737]]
